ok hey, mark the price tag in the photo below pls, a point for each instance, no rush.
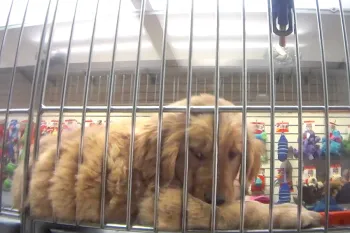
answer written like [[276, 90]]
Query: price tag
[[282, 127], [309, 171], [259, 127]]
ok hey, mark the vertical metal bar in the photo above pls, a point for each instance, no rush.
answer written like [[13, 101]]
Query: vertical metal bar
[[6, 29], [155, 89], [346, 45], [177, 88], [86, 89], [108, 116], [232, 77], [216, 120], [244, 121], [65, 82], [147, 78], [205, 85], [317, 91], [115, 84], [12, 84], [63, 90], [326, 110], [257, 84], [188, 115], [43, 87], [131, 85], [174, 89], [160, 116], [284, 87], [240, 88], [300, 125], [272, 113], [309, 89], [134, 103], [123, 82], [223, 86], [30, 125], [292, 90]]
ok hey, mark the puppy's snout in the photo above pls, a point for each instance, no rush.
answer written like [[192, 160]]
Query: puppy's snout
[[219, 198]]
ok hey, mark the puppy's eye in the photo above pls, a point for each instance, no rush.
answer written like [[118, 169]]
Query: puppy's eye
[[232, 155], [198, 155]]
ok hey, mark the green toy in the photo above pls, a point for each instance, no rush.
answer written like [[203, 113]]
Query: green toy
[[7, 184], [10, 168], [346, 146]]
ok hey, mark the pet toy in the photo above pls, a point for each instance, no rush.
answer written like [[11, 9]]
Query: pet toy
[[258, 185], [310, 148], [261, 135], [282, 148], [284, 179], [335, 187], [343, 196], [335, 144], [13, 133], [312, 192]]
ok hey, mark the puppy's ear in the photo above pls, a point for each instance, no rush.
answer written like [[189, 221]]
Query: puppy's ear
[[256, 150], [146, 148]]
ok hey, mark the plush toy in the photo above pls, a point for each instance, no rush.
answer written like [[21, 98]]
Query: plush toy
[[343, 196], [335, 145], [335, 187], [258, 185], [312, 191], [13, 133], [261, 135], [310, 148], [284, 179], [282, 148]]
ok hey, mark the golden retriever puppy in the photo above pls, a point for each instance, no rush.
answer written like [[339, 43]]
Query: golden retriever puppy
[[71, 192]]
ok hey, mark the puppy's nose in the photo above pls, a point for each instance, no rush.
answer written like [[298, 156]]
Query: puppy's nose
[[219, 199]]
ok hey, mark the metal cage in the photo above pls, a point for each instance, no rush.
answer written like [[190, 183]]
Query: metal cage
[[66, 63]]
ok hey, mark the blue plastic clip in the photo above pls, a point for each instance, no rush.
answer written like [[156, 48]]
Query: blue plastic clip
[[282, 11]]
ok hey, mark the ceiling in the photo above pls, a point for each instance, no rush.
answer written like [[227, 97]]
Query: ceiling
[[204, 32]]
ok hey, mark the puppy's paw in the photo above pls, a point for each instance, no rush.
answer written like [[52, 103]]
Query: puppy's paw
[[286, 217]]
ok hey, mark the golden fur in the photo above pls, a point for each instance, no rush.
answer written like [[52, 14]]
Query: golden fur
[[74, 194]]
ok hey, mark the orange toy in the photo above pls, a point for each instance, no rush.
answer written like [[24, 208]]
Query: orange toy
[[337, 218]]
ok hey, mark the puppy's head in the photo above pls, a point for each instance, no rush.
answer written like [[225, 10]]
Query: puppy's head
[[201, 156]]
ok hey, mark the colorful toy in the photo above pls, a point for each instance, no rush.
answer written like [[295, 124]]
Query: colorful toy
[[310, 148], [261, 135], [258, 185], [335, 187], [13, 133], [343, 196], [312, 191], [284, 179], [335, 144], [282, 148]]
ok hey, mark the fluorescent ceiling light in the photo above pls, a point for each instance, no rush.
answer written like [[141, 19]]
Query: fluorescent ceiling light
[[105, 47], [37, 10], [104, 30], [205, 45]]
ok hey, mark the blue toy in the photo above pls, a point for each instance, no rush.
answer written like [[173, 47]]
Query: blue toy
[[335, 143], [282, 148], [284, 193], [321, 205], [12, 139]]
